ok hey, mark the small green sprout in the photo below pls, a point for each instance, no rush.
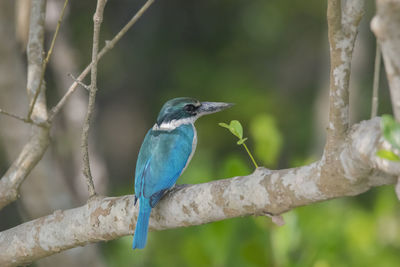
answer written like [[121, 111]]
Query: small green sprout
[[237, 130], [391, 133]]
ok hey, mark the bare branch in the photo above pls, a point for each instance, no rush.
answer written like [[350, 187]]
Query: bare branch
[[87, 87], [45, 61], [37, 145], [386, 25], [377, 71], [97, 20], [22, 166], [39, 141], [265, 192], [342, 30], [35, 52], [54, 111], [109, 45], [15, 116]]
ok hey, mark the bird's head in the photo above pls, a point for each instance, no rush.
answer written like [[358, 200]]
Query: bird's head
[[184, 110]]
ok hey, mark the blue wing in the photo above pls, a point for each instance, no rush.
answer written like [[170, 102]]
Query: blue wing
[[161, 160]]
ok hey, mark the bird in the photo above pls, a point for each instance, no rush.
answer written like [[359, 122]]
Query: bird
[[164, 154]]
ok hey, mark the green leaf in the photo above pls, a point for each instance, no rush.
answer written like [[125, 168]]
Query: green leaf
[[241, 141], [234, 127], [387, 154], [391, 130], [222, 124]]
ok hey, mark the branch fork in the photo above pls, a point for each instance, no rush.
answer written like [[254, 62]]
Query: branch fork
[[37, 145]]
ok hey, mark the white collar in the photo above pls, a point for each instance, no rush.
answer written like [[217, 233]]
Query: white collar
[[172, 125]]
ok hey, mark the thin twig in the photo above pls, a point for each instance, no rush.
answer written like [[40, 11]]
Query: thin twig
[[15, 116], [87, 87], [109, 45], [53, 112], [377, 70], [251, 156], [97, 20], [45, 61]]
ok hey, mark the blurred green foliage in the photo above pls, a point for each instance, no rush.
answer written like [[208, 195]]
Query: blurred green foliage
[[270, 58], [391, 133], [267, 139]]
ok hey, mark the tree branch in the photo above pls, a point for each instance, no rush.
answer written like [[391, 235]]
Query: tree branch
[[45, 61], [354, 170], [375, 87], [44, 65], [386, 25], [39, 141], [261, 193], [342, 31], [14, 116], [109, 45], [97, 20]]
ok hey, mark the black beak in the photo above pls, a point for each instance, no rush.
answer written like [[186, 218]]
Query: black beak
[[212, 107]]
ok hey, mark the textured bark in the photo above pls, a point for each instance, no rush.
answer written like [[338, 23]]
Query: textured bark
[[386, 25], [264, 192], [342, 31], [39, 140]]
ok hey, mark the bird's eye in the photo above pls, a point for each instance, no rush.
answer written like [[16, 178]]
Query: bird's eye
[[190, 108]]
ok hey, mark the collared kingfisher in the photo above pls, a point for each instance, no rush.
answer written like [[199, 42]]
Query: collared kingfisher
[[165, 153]]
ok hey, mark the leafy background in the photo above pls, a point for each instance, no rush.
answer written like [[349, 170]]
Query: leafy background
[[271, 59]]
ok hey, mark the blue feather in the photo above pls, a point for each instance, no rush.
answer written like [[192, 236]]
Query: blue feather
[[142, 225], [162, 158]]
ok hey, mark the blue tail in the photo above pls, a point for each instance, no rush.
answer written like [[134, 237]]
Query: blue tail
[[142, 224]]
